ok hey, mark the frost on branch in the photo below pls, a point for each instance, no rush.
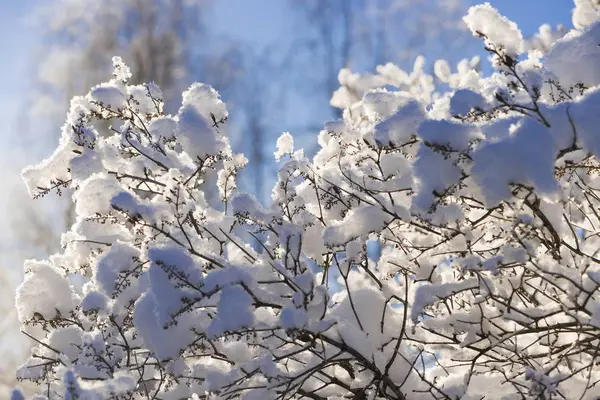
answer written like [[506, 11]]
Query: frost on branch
[[483, 200]]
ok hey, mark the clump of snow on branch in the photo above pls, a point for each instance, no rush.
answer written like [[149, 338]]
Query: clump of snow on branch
[[585, 13], [285, 145], [484, 20]]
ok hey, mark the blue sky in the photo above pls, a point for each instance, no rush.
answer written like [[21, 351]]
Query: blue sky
[[264, 21], [16, 40], [529, 14]]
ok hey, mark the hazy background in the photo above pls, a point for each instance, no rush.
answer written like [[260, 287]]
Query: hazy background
[[275, 63]]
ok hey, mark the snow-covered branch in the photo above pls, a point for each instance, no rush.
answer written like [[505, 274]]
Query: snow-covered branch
[[483, 200]]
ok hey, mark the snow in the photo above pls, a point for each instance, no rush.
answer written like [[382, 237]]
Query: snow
[[201, 108], [121, 71], [44, 291], [545, 38], [465, 100], [570, 57], [118, 259], [94, 301], [434, 176], [165, 342], [127, 202], [358, 222], [595, 320], [166, 263], [419, 245], [401, 126], [442, 71], [85, 165], [586, 12], [586, 121], [499, 30], [426, 295], [293, 318], [95, 194], [108, 95], [54, 168], [74, 390], [454, 135], [67, 341], [234, 311], [527, 157], [285, 145]]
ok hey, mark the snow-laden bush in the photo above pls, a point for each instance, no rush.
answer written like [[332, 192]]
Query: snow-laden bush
[[484, 203]]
